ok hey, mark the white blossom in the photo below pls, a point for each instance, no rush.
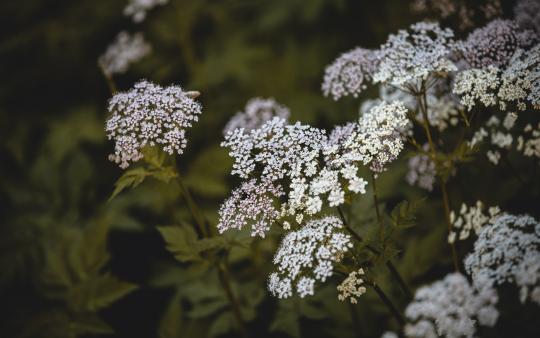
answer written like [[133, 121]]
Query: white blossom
[[377, 138], [124, 51], [507, 251], [253, 203], [411, 56], [256, 113], [472, 218], [350, 72], [422, 170], [308, 255], [352, 287], [149, 115], [137, 8], [450, 308]]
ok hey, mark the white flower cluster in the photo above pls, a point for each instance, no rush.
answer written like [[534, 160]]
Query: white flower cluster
[[150, 115], [137, 8], [517, 85], [257, 112], [527, 14], [508, 251], [253, 202], [504, 135], [464, 12], [450, 308], [495, 43], [352, 287], [124, 51], [348, 74], [470, 219], [389, 334], [422, 170], [411, 56], [377, 139], [308, 255]]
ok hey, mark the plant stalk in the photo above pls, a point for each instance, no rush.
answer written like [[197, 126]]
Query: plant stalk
[[393, 310], [225, 280]]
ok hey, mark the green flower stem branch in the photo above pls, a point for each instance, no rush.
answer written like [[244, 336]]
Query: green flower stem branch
[[376, 203], [223, 271], [393, 310], [224, 278], [424, 110], [110, 81], [390, 266]]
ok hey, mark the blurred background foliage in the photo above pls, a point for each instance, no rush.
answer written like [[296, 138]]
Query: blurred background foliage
[[75, 263]]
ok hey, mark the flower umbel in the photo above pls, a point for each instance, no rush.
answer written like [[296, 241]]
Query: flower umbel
[[149, 115]]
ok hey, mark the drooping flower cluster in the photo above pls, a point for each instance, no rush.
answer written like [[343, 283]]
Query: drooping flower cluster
[[253, 202], [470, 219], [377, 139], [508, 251], [308, 255], [352, 287], [422, 170], [527, 14], [450, 308], [348, 74], [514, 87], [464, 12], [255, 114], [137, 9], [411, 56], [124, 51], [149, 115], [495, 44]]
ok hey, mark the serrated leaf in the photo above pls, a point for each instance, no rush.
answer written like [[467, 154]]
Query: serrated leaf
[[130, 179], [90, 324], [404, 214], [207, 308], [98, 292], [180, 241]]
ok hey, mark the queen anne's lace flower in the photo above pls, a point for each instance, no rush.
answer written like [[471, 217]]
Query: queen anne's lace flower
[[514, 87], [257, 112], [253, 202], [124, 51], [450, 308], [495, 44], [348, 74], [377, 139], [527, 14], [422, 171], [470, 219], [352, 287], [411, 56], [508, 251], [149, 115], [308, 255], [137, 8]]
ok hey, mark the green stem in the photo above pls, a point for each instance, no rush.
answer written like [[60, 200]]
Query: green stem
[[377, 211], [446, 203], [109, 79], [193, 209], [393, 310], [354, 319], [389, 265], [225, 280]]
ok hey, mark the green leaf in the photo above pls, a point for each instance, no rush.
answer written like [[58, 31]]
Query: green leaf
[[404, 214], [287, 319], [170, 325], [98, 292], [180, 241], [130, 179], [207, 308], [224, 323], [90, 324]]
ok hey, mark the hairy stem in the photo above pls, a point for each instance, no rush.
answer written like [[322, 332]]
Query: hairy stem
[[393, 310], [389, 265], [424, 108], [225, 280]]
